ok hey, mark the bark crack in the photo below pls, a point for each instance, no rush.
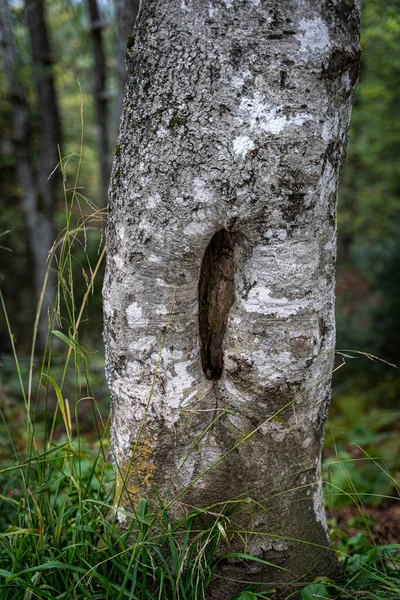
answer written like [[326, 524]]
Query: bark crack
[[216, 296]]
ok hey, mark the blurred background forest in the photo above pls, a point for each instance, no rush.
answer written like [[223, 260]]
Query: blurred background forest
[[61, 55]]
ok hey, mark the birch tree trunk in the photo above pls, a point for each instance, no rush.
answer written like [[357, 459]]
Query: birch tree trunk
[[223, 201]]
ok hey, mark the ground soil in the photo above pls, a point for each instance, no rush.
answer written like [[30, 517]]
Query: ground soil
[[381, 525]]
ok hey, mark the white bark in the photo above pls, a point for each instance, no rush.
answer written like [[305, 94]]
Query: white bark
[[235, 121]]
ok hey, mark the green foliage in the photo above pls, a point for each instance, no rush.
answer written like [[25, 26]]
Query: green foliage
[[314, 590], [366, 442], [369, 202], [63, 540], [369, 571], [352, 481]]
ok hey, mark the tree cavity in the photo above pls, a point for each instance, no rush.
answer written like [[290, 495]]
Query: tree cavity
[[216, 296]]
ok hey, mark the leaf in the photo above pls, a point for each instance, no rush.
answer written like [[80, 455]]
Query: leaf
[[72, 343], [55, 564], [245, 596], [314, 591], [4, 573], [28, 592], [64, 338], [61, 403]]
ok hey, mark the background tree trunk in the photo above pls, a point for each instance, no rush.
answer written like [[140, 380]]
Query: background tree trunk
[[101, 99], [47, 109], [38, 192], [49, 137], [223, 197]]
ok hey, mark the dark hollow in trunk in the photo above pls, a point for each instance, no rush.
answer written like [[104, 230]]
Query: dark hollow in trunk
[[216, 296]]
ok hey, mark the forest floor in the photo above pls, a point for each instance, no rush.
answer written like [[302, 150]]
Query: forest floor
[[381, 525]]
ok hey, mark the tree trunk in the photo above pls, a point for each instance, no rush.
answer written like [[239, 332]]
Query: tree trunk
[[40, 222], [36, 195], [47, 109], [223, 201], [100, 98]]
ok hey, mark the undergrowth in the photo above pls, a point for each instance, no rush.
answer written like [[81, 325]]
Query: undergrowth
[[60, 532]]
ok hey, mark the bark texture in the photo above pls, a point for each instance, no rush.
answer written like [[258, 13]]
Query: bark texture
[[223, 197]]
